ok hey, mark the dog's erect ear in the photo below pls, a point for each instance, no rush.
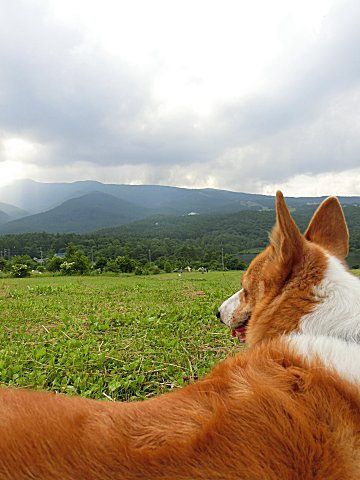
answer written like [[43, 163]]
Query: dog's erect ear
[[286, 237], [328, 228]]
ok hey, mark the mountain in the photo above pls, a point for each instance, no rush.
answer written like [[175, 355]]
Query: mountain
[[36, 197], [4, 217], [89, 212], [39, 197], [10, 212], [89, 205]]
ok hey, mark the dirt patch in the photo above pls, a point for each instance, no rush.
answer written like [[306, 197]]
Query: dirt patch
[[199, 293]]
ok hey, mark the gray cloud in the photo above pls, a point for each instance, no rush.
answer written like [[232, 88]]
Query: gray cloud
[[309, 123], [84, 106]]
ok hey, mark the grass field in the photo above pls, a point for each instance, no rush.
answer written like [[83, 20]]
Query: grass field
[[120, 338]]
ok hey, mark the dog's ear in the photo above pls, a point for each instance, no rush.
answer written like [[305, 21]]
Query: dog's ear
[[328, 228], [286, 237]]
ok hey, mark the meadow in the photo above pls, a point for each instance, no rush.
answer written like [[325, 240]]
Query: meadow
[[113, 337]]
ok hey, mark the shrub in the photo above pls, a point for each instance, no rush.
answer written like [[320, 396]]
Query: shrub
[[21, 266], [68, 268], [122, 264], [20, 270], [154, 270], [54, 264], [168, 267], [4, 265], [75, 261]]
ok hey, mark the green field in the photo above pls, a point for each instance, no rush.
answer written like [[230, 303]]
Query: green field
[[119, 337]]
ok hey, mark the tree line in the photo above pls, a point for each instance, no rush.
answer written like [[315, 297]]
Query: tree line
[[75, 262], [162, 243]]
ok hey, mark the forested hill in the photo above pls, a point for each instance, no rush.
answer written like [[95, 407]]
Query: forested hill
[[184, 238], [87, 213], [82, 207], [251, 224]]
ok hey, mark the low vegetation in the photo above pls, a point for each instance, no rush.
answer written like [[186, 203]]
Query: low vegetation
[[117, 337]]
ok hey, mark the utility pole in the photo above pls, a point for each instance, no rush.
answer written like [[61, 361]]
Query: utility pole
[[222, 258], [149, 255], [41, 256]]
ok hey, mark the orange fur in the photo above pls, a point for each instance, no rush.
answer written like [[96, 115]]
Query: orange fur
[[262, 414], [279, 302], [321, 228], [259, 415]]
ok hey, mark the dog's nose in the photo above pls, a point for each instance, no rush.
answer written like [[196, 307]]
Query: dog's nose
[[218, 315]]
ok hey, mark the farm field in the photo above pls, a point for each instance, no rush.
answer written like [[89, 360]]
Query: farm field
[[112, 337]]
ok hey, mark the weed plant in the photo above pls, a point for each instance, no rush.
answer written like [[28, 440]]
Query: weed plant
[[120, 337]]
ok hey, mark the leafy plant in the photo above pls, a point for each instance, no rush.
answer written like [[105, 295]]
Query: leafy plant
[[20, 270], [118, 337]]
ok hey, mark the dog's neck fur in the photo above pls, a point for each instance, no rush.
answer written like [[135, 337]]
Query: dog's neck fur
[[338, 312], [331, 332]]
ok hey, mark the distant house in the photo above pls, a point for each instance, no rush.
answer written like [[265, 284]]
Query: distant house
[[60, 254], [40, 260], [191, 214]]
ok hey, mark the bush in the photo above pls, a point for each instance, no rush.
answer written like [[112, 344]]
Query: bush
[[154, 270], [20, 270], [122, 264], [100, 263], [75, 261], [21, 266], [138, 270], [68, 268], [168, 267], [4, 265], [54, 264]]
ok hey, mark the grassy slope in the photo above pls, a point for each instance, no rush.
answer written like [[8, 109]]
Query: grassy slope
[[119, 337]]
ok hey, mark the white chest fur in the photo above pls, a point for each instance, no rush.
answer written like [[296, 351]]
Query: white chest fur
[[337, 313], [331, 332], [334, 353]]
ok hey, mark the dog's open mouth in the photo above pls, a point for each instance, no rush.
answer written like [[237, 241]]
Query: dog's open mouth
[[240, 332]]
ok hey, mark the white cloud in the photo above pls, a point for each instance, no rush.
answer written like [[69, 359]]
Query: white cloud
[[228, 94], [339, 183]]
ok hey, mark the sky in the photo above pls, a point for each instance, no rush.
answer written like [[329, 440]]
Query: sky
[[249, 96]]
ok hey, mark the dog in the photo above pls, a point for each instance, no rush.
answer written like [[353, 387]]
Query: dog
[[285, 408]]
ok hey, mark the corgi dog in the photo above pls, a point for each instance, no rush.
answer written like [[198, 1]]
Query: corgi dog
[[285, 408]]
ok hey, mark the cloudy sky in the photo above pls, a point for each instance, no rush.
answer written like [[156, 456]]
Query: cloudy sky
[[234, 94]]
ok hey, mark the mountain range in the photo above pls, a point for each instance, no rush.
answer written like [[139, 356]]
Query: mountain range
[[29, 206]]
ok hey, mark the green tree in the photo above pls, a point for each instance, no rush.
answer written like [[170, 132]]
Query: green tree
[[4, 265], [75, 261], [100, 263], [20, 270], [68, 268], [168, 267], [233, 263], [122, 264], [21, 266], [54, 264]]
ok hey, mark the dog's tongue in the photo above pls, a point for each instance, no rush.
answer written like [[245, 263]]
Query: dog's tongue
[[239, 332]]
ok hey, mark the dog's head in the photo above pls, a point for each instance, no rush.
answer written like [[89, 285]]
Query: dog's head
[[278, 287]]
